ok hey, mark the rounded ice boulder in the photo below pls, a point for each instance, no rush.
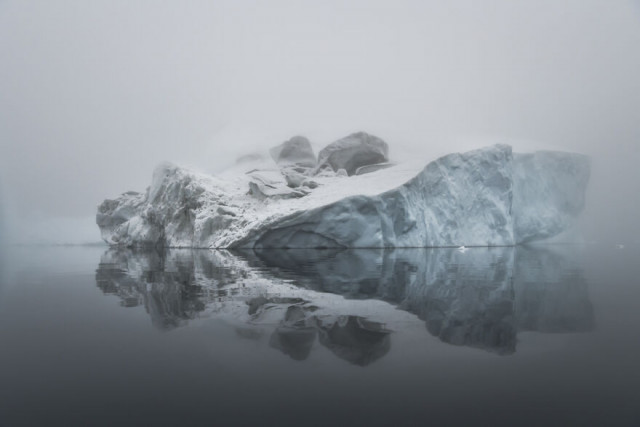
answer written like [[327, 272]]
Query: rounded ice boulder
[[297, 151], [354, 151]]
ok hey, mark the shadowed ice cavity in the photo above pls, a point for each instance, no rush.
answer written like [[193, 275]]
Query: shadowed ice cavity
[[479, 298]]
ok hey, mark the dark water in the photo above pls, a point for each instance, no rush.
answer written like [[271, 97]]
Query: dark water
[[502, 336]]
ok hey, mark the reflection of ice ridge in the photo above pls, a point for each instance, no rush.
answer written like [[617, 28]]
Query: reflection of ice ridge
[[480, 298]]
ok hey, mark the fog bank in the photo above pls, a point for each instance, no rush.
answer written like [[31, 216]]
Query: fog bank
[[95, 94]]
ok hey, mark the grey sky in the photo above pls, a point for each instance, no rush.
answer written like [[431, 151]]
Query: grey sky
[[94, 94]]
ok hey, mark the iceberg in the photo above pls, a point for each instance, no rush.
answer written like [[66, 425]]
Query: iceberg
[[485, 197]]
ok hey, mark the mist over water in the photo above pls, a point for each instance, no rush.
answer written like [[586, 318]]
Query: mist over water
[[97, 94]]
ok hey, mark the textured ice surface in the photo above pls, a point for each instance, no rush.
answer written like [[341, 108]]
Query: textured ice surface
[[485, 197], [548, 194]]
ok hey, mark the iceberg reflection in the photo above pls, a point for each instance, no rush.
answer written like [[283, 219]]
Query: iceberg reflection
[[480, 298]]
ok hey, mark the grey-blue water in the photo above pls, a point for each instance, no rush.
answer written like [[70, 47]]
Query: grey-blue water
[[502, 336]]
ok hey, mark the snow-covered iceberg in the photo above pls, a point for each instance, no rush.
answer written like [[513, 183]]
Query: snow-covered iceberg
[[484, 197]]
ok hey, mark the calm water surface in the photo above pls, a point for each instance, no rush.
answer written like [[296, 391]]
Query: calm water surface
[[543, 335]]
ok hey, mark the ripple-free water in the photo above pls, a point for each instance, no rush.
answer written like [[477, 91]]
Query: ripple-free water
[[543, 335]]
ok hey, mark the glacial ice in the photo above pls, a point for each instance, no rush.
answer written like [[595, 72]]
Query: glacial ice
[[297, 151], [354, 151], [547, 205], [485, 197]]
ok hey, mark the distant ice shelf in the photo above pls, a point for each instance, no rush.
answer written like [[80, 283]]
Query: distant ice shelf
[[485, 197]]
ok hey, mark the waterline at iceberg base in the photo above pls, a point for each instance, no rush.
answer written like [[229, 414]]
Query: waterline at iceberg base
[[485, 197]]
